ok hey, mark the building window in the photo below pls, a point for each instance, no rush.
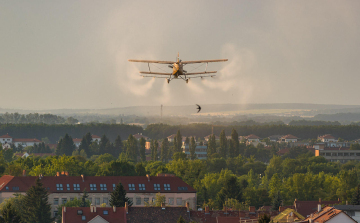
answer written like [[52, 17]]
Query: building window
[[97, 201], [63, 200], [131, 186], [153, 199], [103, 187], [131, 200], [105, 212], [114, 186], [141, 186], [179, 201], [146, 200], [56, 201], [106, 200], [156, 186], [71, 198], [138, 201], [7, 188], [76, 186], [55, 213], [59, 187], [182, 188], [79, 212], [68, 186], [15, 188], [166, 186], [83, 218], [92, 186], [171, 201]]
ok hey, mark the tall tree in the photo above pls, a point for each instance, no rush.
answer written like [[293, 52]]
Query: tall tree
[[192, 148], [187, 140], [174, 148], [65, 146], [155, 149], [142, 149], [104, 145], [118, 146], [118, 197], [231, 189], [211, 146], [178, 141], [181, 220], [276, 202], [9, 214], [132, 148], [234, 144], [356, 197], [85, 143], [84, 198], [37, 206], [223, 144], [164, 151]]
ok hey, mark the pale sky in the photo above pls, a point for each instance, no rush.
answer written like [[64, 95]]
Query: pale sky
[[73, 54]]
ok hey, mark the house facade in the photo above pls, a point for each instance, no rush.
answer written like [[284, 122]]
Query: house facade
[[140, 189], [77, 141], [288, 138], [200, 151], [7, 141]]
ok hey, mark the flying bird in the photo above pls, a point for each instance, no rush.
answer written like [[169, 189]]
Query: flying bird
[[198, 107]]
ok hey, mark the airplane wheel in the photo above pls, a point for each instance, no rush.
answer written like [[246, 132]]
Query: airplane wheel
[[168, 80], [187, 80]]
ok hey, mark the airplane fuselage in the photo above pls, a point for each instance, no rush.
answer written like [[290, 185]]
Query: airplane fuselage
[[177, 69]]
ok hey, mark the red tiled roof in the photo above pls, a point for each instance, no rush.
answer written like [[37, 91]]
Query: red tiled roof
[[77, 140], [327, 136], [26, 140], [325, 215], [156, 214], [50, 182], [138, 136], [289, 136], [305, 208], [227, 219], [252, 136], [95, 136], [5, 136], [213, 216], [171, 136], [70, 214]]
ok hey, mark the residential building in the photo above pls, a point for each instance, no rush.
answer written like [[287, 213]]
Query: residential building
[[140, 189], [288, 138], [200, 151], [329, 215], [7, 141], [327, 138], [125, 214], [95, 138], [171, 137], [206, 138], [140, 135], [252, 138], [340, 154], [305, 208], [352, 210], [274, 138], [288, 215]]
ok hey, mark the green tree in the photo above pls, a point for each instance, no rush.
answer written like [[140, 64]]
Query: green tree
[[178, 141], [142, 149], [85, 143], [223, 144], [37, 206], [164, 150], [154, 151], [84, 199], [159, 199], [71, 120], [187, 140], [131, 148], [355, 146], [231, 189], [356, 196], [181, 220], [65, 146], [118, 146], [9, 213], [276, 202], [264, 218], [140, 169], [211, 146], [234, 144], [118, 197], [104, 145], [192, 148], [179, 156]]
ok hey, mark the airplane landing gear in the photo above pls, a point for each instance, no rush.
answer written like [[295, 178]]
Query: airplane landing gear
[[187, 80], [168, 80]]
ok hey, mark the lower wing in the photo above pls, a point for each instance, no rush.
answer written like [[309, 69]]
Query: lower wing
[[156, 73], [207, 72]]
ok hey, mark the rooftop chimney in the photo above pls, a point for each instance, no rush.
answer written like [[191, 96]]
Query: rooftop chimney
[[162, 205], [225, 209], [319, 208], [320, 200], [114, 209], [57, 174], [127, 207], [62, 172], [346, 202], [94, 208], [24, 173], [252, 209], [207, 210], [91, 208], [66, 173], [187, 206], [148, 177], [82, 177]]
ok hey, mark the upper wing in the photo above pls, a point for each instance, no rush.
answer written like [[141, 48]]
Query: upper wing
[[207, 72], [152, 61], [203, 61], [157, 73]]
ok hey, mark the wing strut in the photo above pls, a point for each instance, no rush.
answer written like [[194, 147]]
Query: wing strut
[[149, 67], [206, 67]]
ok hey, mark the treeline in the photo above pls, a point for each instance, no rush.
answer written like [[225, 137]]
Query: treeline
[[35, 118], [347, 132], [54, 132]]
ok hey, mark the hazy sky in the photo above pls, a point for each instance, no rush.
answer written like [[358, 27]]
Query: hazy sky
[[73, 54]]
